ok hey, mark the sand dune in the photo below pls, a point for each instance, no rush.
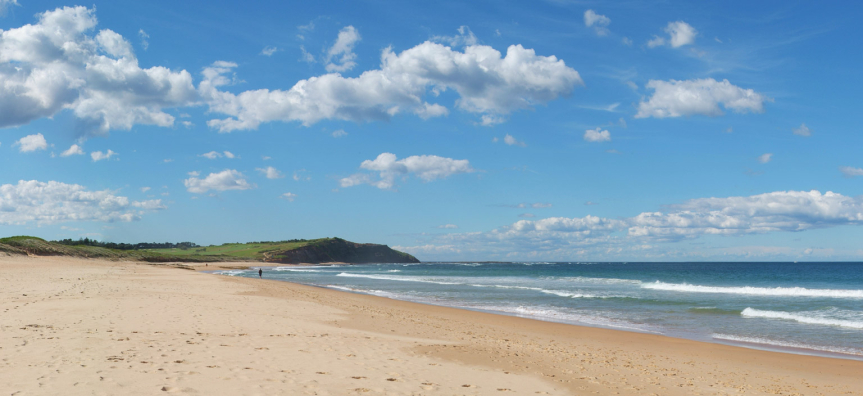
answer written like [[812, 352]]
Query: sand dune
[[96, 327]]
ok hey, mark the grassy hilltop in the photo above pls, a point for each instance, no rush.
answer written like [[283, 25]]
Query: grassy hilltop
[[295, 251]]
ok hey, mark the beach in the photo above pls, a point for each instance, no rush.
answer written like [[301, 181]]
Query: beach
[[74, 326]]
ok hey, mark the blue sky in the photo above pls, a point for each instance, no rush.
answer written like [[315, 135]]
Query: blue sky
[[556, 130]]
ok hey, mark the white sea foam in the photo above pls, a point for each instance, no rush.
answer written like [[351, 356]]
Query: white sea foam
[[380, 293], [398, 278], [557, 315], [829, 317], [756, 291], [583, 279], [787, 344], [229, 272]]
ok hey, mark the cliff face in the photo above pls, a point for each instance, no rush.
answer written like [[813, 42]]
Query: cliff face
[[339, 250]]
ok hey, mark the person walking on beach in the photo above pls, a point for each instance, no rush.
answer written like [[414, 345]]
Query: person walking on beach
[[260, 273]]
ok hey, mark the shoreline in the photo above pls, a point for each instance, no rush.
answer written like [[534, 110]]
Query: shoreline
[[785, 349], [85, 326]]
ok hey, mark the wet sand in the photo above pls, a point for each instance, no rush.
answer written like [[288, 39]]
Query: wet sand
[[70, 326]]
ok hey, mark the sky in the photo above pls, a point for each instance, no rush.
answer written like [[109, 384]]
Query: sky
[[485, 130]]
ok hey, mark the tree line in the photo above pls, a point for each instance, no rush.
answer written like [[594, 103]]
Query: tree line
[[127, 246]]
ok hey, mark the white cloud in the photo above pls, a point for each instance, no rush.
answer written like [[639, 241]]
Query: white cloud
[[301, 175], [339, 133], [850, 171], [270, 172], [5, 4], [464, 37], [511, 141], [288, 196], [145, 189], [194, 173], [98, 155], [426, 167], [340, 57], [73, 150], [447, 226], [626, 41], [144, 37], [306, 55], [698, 97], [215, 154], [31, 143], [55, 202], [765, 158], [599, 23], [597, 135], [227, 179], [656, 41], [487, 83], [803, 130], [788, 211], [679, 34], [58, 63], [269, 51], [535, 205]]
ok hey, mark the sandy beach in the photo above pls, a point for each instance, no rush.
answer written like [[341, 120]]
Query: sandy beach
[[72, 326]]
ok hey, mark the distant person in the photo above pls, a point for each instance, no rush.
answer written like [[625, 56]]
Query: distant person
[[260, 273]]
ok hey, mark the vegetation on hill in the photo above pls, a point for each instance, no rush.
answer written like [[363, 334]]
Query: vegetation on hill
[[290, 251]]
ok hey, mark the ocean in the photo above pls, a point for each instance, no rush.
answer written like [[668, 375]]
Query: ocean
[[806, 308]]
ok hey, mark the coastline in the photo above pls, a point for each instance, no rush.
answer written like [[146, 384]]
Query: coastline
[[174, 316]]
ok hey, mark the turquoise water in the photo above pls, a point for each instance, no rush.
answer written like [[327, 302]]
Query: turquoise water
[[811, 308]]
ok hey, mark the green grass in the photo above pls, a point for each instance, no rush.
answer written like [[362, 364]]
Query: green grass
[[253, 250]]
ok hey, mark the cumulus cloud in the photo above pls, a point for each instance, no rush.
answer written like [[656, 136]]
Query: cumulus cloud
[[599, 23], [487, 83], [339, 133], [269, 51], [851, 171], [597, 135], [73, 150], [55, 202], [448, 226], [31, 143], [340, 57], [288, 196], [803, 130], [765, 158], [61, 62], [788, 211], [270, 172], [225, 180], [511, 141], [698, 97], [425, 167], [99, 156], [679, 34]]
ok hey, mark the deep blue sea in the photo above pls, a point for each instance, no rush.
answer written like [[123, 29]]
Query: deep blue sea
[[810, 308]]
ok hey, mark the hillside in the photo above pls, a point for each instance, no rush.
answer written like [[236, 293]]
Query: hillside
[[298, 251]]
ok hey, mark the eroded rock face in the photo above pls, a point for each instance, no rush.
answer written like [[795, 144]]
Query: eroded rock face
[[340, 250]]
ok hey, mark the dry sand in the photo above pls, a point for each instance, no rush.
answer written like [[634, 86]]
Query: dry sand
[[70, 326]]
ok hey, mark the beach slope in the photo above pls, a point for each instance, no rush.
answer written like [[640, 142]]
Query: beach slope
[[73, 326]]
